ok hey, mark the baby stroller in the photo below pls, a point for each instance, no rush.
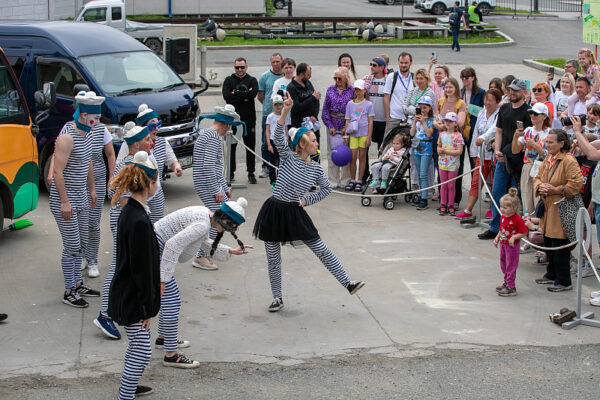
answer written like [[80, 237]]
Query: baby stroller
[[399, 178]]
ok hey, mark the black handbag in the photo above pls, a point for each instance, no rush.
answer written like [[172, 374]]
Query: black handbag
[[540, 207]]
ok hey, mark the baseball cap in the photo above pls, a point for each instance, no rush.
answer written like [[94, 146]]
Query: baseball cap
[[518, 84], [359, 84], [380, 61], [539, 108], [277, 99], [426, 100], [451, 116]]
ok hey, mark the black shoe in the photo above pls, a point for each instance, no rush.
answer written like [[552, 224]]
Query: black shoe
[[487, 235], [276, 305], [422, 205], [3, 317], [85, 291], [143, 390], [252, 179], [74, 300], [354, 286], [560, 288], [180, 361]]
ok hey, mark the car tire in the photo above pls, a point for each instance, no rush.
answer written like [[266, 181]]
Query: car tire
[[279, 4], [154, 44], [485, 8], [438, 9]]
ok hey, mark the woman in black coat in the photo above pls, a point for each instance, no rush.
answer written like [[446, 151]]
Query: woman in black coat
[[134, 296]]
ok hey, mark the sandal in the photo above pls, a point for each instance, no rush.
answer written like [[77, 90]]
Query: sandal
[[443, 210], [358, 186], [350, 186], [451, 211]]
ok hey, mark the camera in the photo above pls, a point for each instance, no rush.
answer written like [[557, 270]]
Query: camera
[[566, 121], [418, 111]]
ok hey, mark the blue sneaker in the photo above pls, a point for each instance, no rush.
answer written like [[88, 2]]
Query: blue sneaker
[[107, 326]]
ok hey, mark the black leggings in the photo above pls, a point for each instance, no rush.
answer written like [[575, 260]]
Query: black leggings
[[559, 268]]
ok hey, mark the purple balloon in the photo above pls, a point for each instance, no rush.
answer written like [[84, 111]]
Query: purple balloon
[[341, 155]]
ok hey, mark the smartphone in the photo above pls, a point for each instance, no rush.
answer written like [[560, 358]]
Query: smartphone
[[434, 55], [528, 83], [418, 111], [551, 71], [519, 124]]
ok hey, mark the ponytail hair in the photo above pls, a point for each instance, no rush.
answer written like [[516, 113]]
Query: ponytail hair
[[130, 178], [511, 198]]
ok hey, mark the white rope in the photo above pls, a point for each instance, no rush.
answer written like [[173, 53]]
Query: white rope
[[366, 195], [535, 246]]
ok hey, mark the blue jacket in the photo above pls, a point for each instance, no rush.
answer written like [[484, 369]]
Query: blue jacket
[[476, 99]]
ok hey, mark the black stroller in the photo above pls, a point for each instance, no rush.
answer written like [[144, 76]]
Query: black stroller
[[399, 180]]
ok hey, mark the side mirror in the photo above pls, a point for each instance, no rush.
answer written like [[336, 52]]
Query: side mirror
[[44, 100], [203, 87]]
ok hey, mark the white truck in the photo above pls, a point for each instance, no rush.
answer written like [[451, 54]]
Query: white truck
[[112, 13]]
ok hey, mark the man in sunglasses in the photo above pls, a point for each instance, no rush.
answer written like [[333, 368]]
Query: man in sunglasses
[[239, 90]]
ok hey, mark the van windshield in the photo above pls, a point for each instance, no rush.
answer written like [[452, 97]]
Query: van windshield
[[123, 73]]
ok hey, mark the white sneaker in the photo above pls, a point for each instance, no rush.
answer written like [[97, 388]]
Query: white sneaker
[[264, 173], [595, 294], [595, 301], [333, 185], [93, 271], [586, 271], [204, 263], [84, 264]]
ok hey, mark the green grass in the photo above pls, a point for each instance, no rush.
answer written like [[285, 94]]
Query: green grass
[[505, 10], [555, 62], [270, 8], [239, 41]]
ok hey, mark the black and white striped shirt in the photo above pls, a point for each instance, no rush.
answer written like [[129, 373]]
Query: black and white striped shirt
[[77, 166], [112, 190], [295, 176], [208, 163]]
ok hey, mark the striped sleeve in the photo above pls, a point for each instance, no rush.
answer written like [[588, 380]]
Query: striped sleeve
[[280, 143], [209, 168], [324, 187]]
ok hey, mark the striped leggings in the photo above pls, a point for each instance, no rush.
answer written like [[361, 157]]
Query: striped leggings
[[74, 233], [91, 251], [329, 260], [114, 218], [170, 304], [137, 358], [212, 205]]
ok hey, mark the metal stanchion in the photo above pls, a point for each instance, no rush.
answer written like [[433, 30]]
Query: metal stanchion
[[478, 223], [583, 242], [228, 142]]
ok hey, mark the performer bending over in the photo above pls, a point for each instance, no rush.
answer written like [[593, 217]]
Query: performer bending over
[[180, 234], [282, 218]]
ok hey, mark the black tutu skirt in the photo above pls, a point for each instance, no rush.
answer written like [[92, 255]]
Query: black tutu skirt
[[283, 222]]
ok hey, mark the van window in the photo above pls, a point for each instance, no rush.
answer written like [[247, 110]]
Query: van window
[[17, 64], [11, 106], [116, 13], [62, 74], [139, 71], [95, 15]]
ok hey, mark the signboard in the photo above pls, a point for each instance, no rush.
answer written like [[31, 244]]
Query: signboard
[[591, 21]]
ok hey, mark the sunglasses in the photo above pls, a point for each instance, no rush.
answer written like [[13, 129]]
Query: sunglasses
[[465, 77], [375, 65], [240, 67], [338, 78], [153, 126], [537, 90], [534, 113]]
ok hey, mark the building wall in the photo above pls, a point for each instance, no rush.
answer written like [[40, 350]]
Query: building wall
[[59, 9]]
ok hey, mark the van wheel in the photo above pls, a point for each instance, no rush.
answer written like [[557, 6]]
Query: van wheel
[[154, 44], [438, 9], [484, 8], [45, 172]]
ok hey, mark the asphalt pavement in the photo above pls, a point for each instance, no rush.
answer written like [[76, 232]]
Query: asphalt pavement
[[428, 323]]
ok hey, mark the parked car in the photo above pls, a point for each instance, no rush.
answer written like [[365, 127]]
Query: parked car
[[110, 63], [439, 7], [391, 2], [113, 13], [280, 4]]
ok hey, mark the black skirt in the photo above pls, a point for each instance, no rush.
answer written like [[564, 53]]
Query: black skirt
[[283, 222]]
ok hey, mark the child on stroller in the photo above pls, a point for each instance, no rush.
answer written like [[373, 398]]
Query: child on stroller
[[381, 169]]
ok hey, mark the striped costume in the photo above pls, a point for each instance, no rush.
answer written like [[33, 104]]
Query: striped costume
[[137, 358], [208, 173], [74, 232], [281, 220], [114, 213], [91, 251], [179, 235]]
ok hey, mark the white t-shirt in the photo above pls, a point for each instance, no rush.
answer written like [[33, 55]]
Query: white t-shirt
[[403, 86], [280, 84], [376, 97], [107, 137], [272, 122]]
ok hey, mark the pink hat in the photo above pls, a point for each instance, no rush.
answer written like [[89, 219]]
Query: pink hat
[[451, 117]]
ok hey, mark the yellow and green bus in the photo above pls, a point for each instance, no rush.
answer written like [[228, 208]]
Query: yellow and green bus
[[19, 172]]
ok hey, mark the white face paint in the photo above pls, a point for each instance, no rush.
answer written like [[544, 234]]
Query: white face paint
[[92, 119]]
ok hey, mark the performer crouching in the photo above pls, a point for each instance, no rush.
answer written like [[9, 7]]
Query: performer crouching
[[282, 218], [180, 234]]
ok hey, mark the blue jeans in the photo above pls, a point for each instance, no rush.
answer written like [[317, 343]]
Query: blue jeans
[[502, 181], [422, 164], [263, 144], [597, 218], [455, 37]]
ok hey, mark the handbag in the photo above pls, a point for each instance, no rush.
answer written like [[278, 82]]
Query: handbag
[[567, 210], [335, 141], [353, 124]]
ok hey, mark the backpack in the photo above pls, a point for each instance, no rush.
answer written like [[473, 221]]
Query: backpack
[[454, 18], [412, 75], [466, 131]]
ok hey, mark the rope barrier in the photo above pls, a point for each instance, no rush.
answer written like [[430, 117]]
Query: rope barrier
[[589, 258]]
